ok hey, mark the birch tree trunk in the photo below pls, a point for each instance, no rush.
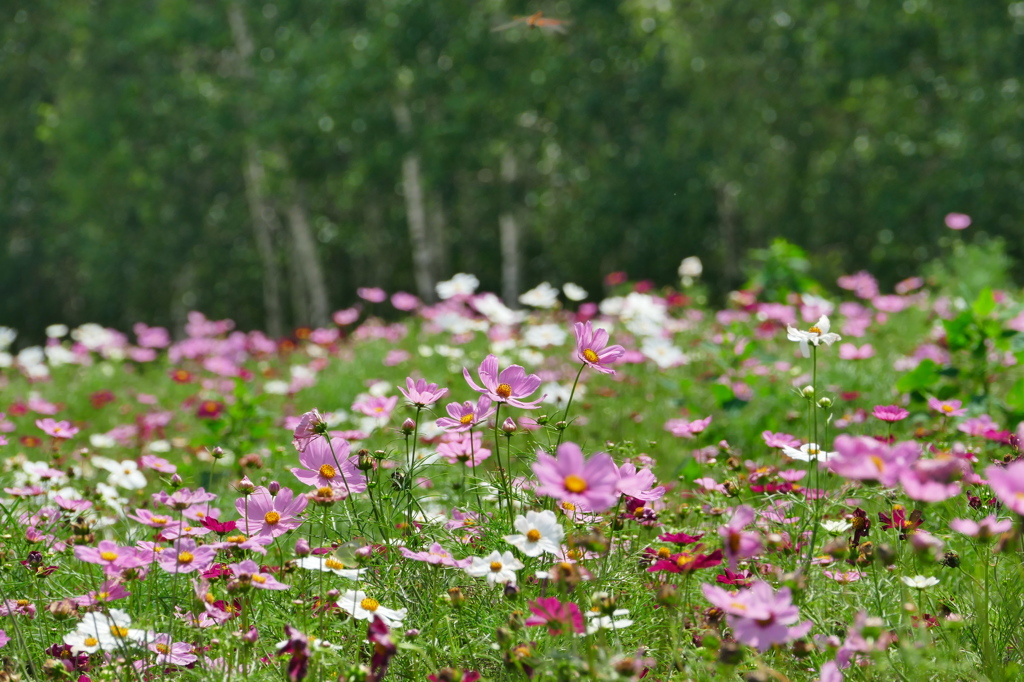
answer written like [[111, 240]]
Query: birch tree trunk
[[509, 233], [260, 211], [415, 210], [307, 263]]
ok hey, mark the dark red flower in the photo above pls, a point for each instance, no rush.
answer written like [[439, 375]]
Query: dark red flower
[[210, 409], [900, 521], [298, 646], [101, 398], [217, 527], [684, 562], [384, 648], [680, 538]]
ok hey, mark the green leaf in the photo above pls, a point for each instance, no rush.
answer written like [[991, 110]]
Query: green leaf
[[923, 376], [957, 336], [985, 303], [1015, 397], [723, 394]]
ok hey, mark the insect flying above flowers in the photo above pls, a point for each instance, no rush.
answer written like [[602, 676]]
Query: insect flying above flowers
[[536, 20]]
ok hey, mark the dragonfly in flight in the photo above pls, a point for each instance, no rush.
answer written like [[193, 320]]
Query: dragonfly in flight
[[537, 20]]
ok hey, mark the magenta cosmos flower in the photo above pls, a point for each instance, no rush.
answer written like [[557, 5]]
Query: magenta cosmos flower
[[321, 461], [510, 386], [420, 393], [168, 653], [862, 458], [593, 350], [590, 485], [310, 425], [264, 514], [736, 542], [987, 528], [464, 416], [248, 573], [186, 557], [958, 221], [56, 429], [557, 616], [890, 413]]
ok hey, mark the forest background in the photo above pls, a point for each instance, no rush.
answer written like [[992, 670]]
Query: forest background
[[260, 161]]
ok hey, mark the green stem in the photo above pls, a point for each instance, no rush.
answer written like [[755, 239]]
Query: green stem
[[565, 416]]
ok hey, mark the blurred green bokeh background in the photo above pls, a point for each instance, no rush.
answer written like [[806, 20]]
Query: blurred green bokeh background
[[260, 160]]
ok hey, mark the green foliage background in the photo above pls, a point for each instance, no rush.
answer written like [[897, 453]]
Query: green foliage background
[[653, 130]]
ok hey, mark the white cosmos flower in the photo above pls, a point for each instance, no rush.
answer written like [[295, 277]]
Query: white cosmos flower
[[919, 581], [56, 331], [361, 607], [539, 532], [544, 335], [816, 335], [124, 474], [498, 568], [574, 292], [327, 563], [809, 452], [690, 268], [101, 440], [101, 631], [596, 621], [276, 387], [7, 336], [459, 285], [836, 527], [541, 296], [663, 353]]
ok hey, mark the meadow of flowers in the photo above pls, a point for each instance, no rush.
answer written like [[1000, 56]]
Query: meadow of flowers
[[805, 489]]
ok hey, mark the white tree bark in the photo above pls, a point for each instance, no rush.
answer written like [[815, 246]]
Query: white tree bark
[[509, 233], [415, 210], [307, 263]]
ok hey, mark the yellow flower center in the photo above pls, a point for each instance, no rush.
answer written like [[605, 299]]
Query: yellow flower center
[[102, 596], [185, 557], [237, 539], [23, 602], [163, 648], [118, 631], [495, 566], [814, 330], [108, 556], [325, 492], [91, 641], [533, 535], [738, 606], [522, 652], [259, 579], [209, 598], [370, 604], [684, 560], [947, 408], [877, 462], [503, 390], [575, 554], [159, 519], [664, 552], [272, 517], [327, 471], [590, 356], [334, 564], [575, 484], [467, 418], [568, 506]]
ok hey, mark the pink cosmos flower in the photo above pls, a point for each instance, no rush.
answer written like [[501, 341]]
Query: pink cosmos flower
[[320, 461], [72, 505], [107, 554], [862, 458], [186, 557], [436, 556], [593, 350], [844, 577], [109, 591], [682, 428], [146, 517], [557, 616], [56, 429], [372, 294], [780, 440], [464, 450], [248, 573], [1008, 484], [863, 284], [736, 543], [987, 528], [178, 653], [420, 393], [848, 351], [978, 426], [948, 408], [890, 413], [511, 386], [404, 301], [377, 407], [638, 483], [464, 416], [310, 425], [264, 514], [958, 221], [759, 616], [590, 485], [933, 480]]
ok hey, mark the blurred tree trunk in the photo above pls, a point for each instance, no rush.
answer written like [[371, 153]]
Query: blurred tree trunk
[[728, 216], [415, 210], [306, 262], [437, 222], [509, 230], [260, 210]]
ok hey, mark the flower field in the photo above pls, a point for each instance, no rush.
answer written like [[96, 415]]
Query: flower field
[[636, 487]]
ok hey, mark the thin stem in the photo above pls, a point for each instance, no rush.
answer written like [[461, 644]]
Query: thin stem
[[565, 417]]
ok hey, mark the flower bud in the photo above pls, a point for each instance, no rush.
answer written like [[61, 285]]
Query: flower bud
[[543, 419], [825, 403], [63, 609], [458, 599], [951, 559], [730, 653], [604, 602], [333, 593], [273, 488], [245, 486], [511, 591], [502, 635], [408, 426], [412, 633], [217, 452], [302, 547], [252, 636], [668, 595], [365, 462], [560, 426], [176, 481], [807, 392], [508, 427]]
